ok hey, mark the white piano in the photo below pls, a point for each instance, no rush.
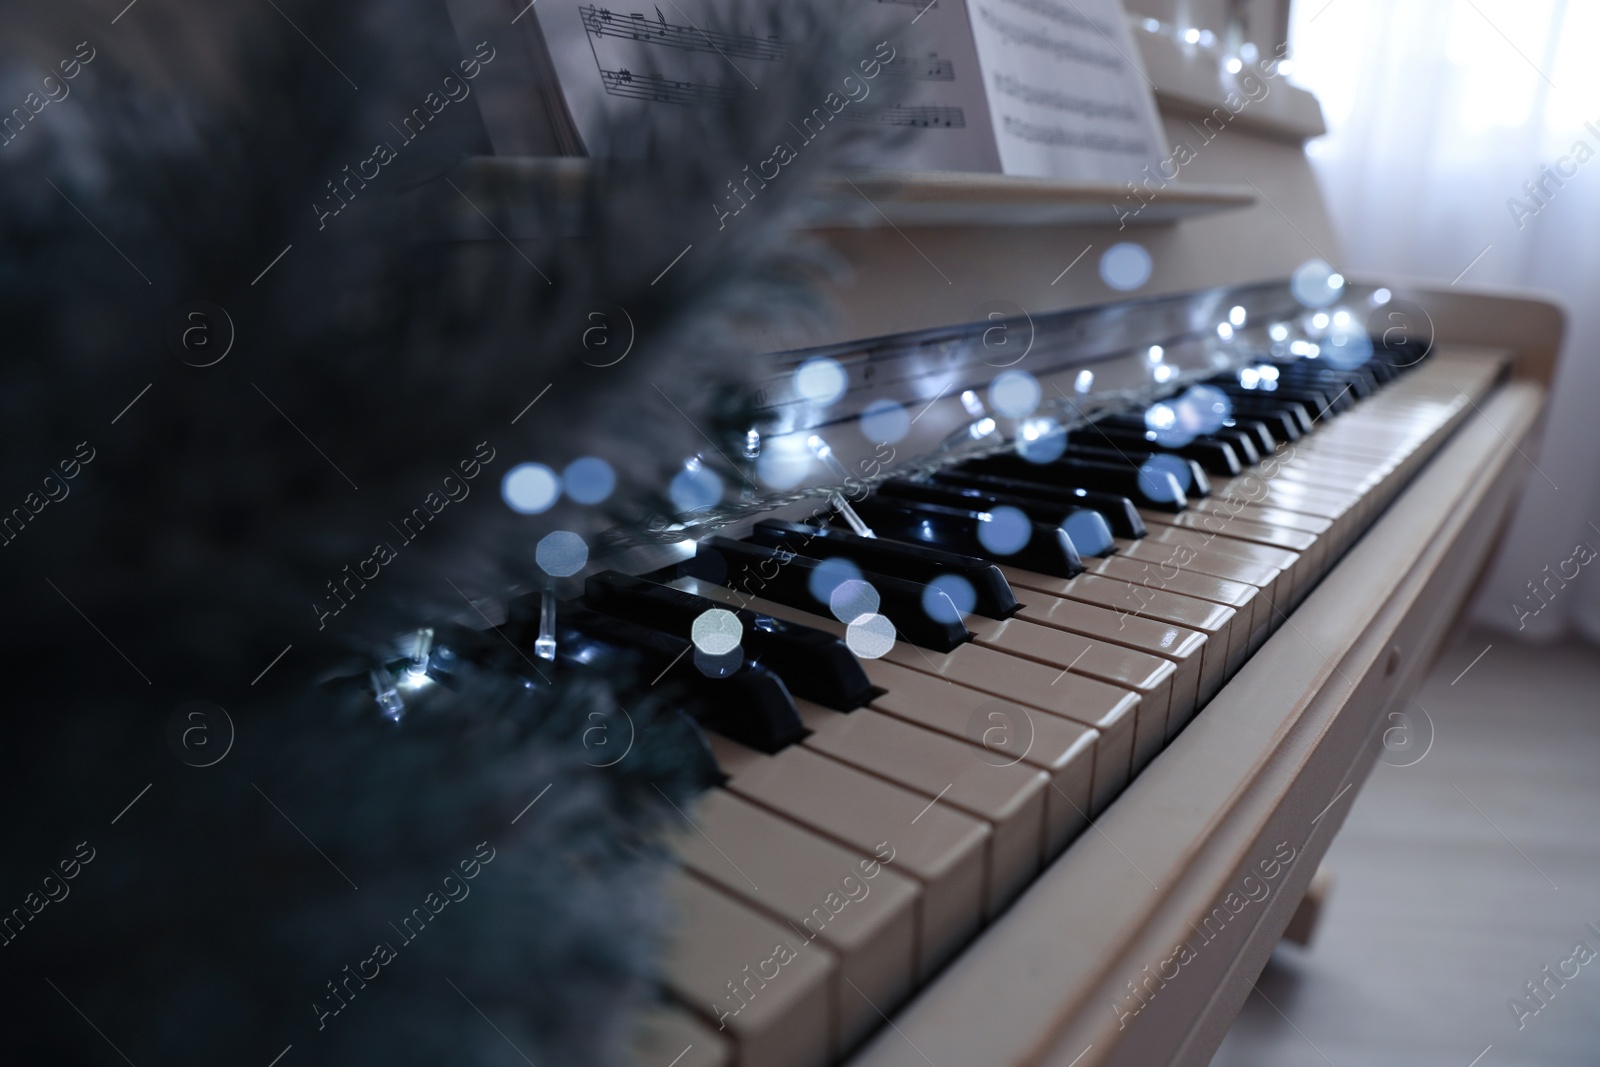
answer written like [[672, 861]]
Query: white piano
[[1074, 836]]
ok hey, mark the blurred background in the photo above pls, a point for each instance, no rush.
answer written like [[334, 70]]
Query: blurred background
[[1460, 135]]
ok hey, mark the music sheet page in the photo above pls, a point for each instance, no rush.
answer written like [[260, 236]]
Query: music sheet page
[[924, 77], [1066, 96], [1046, 88]]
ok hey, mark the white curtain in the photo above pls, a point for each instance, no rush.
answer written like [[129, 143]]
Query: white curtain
[[1462, 129]]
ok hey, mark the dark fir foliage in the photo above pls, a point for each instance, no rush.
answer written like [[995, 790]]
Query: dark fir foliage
[[169, 529]]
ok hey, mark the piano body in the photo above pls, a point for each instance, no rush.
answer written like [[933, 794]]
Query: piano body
[[1069, 827]]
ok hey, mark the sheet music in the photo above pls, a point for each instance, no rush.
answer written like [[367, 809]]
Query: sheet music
[[1057, 92], [933, 86], [680, 53], [1066, 98]]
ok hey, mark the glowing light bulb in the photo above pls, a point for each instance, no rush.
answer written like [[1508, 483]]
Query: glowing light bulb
[[820, 380], [1238, 315], [1015, 394], [1084, 382], [1156, 354], [1225, 331], [1191, 36]]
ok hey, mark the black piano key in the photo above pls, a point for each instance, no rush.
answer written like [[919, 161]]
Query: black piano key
[[1217, 456], [1359, 383], [1314, 402], [1259, 433], [748, 703], [914, 563], [1089, 531], [1278, 420], [814, 665], [1121, 478], [1191, 476], [1323, 397], [1242, 441], [1118, 510], [1205, 446], [1040, 547], [785, 576], [1260, 403]]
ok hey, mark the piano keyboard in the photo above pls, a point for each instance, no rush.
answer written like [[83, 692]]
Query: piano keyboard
[[865, 832]]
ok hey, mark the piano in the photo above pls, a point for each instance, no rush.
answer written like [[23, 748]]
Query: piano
[[1057, 627]]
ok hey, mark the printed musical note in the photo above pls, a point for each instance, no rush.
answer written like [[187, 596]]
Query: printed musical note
[[1045, 43], [637, 27], [1051, 135], [663, 90], [1092, 109], [1052, 9], [931, 69], [949, 118]]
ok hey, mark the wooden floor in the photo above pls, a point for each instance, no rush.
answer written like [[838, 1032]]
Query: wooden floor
[[1457, 880]]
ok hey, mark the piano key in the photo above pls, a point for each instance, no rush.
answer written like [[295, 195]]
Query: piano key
[[1199, 481], [1011, 800], [1238, 528], [1149, 676], [1168, 559], [743, 566], [1230, 523], [943, 849], [813, 664], [1088, 530], [751, 703], [1117, 510], [666, 1033], [1269, 404], [1259, 432], [1288, 423], [913, 562], [1285, 518], [846, 899], [765, 984], [1007, 734], [1045, 547], [1111, 712], [1215, 621], [1318, 406], [1217, 456], [1110, 477], [1184, 647], [1262, 488], [1246, 444], [1242, 598], [1289, 562]]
